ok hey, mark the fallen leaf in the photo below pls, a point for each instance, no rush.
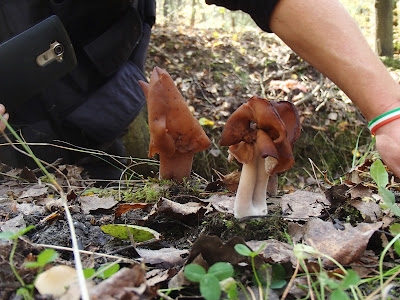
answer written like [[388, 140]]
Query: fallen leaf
[[370, 210], [126, 284], [30, 208], [360, 191], [302, 205], [123, 231], [213, 250], [275, 251], [183, 212], [287, 85], [222, 203], [165, 257], [157, 276], [125, 207], [93, 202], [14, 225], [34, 191], [346, 246], [28, 175]]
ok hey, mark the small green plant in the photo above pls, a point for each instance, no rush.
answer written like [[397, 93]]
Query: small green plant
[[218, 276], [381, 178], [339, 287], [274, 281], [45, 257], [245, 251], [103, 272], [348, 281]]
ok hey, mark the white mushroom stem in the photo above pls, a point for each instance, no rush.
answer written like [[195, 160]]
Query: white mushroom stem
[[264, 170], [243, 206], [252, 190]]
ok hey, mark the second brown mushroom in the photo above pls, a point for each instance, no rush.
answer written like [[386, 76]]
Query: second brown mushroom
[[174, 133], [261, 135]]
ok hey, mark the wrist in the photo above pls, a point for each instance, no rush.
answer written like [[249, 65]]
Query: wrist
[[383, 119]]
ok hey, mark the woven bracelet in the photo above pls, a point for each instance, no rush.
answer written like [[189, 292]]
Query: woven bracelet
[[384, 119]]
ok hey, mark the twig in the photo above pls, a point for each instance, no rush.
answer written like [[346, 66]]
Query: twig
[[310, 95], [391, 278], [162, 295], [289, 286], [86, 252], [196, 82], [315, 175]]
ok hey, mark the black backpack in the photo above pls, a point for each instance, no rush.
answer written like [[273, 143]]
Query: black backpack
[[95, 103]]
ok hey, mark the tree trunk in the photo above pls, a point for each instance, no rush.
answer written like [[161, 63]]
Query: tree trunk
[[165, 8], [194, 12], [384, 27]]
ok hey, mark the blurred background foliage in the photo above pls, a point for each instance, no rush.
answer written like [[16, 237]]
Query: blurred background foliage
[[198, 14]]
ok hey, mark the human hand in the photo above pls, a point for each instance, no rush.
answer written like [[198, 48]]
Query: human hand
[[388, 145], [5, 116]]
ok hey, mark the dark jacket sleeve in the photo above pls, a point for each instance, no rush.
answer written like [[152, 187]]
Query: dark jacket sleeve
[[259, 10]]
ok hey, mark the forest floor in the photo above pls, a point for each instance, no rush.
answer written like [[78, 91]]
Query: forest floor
[[329, 200]]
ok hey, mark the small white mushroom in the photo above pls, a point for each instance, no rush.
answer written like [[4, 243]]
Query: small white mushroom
[[56, 280]]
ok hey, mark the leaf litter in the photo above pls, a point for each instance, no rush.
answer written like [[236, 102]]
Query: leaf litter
[[345, 221]]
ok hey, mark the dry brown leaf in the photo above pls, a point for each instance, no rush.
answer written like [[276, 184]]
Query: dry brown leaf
[[222, 203], [165, 257], [126, 284], [34, 191], [156, 276], [275, 251], [370, 210], [93, 202], [302, 205], [125, 207], [346, 246], [188, 212]]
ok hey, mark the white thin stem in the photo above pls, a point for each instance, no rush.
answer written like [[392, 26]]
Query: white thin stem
[[243, 202]]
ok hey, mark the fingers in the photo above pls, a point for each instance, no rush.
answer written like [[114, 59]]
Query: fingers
[[5, 116]]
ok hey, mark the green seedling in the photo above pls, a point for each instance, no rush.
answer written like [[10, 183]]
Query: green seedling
[[103, 272], [381, 178], [277, 278], [218, 276], [26, 291], [245, 251], [395, 230], [348, 281], [338, 287]]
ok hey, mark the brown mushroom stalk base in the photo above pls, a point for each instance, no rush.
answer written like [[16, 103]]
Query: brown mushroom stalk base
[[176, 167], [251, 194]]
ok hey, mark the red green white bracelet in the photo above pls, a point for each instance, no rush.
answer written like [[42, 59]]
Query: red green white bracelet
[[384, 119]]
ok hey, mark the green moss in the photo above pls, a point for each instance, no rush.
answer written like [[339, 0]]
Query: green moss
[[150, 192], [226, 226]]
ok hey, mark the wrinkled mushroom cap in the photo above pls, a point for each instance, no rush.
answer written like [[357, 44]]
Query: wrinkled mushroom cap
[[172, 127], [271, 126]]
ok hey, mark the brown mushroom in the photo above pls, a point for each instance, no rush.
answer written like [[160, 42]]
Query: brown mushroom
[[261, 135], [174, 133]]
